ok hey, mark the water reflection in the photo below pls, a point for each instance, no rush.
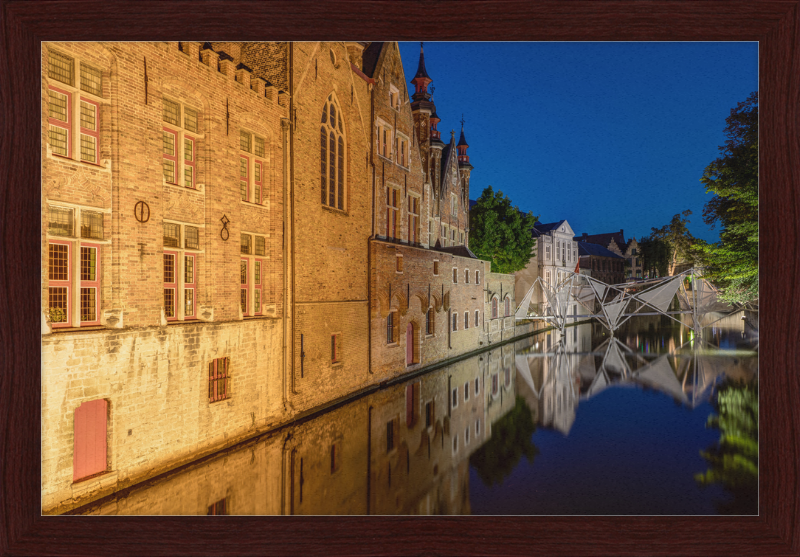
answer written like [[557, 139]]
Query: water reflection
[[412, 448]]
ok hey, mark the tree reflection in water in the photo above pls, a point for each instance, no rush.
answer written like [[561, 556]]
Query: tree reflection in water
[[733, 460], [510, 441]]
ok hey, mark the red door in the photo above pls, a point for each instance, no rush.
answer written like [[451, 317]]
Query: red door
[[89, 450], [409, 344]]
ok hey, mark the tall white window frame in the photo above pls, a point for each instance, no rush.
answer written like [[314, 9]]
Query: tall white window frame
[[253, 167], [185, 250]]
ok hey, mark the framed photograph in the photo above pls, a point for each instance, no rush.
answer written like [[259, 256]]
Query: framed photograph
[[213, 337]]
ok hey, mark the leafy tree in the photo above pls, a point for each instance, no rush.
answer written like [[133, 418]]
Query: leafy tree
[[733, 178], [733, 460], [678, 239], [500, 232], [511, 440], [655, 253]]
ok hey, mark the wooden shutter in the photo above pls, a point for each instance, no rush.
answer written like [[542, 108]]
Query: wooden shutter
[[90, 450]]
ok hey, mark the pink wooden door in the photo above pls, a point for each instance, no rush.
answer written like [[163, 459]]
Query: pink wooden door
[[409, 344], [89, 450]]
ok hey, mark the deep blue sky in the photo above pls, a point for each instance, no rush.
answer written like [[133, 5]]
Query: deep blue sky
[[606, 135]]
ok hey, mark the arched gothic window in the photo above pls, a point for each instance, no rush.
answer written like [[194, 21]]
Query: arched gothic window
[[331, 140]]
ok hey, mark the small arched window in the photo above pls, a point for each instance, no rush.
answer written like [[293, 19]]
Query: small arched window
[[331, 134], [494, 308]]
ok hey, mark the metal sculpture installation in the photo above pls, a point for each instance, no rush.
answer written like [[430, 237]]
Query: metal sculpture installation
[[614, 304]]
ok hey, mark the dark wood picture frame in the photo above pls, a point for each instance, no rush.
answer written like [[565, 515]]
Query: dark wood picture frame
[[774, 24]]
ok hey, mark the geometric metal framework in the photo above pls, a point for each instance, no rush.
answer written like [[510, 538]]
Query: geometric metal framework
[[614, 304]]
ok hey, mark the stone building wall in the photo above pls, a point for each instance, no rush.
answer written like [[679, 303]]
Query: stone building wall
[[156, 382], [151, 370], [330, 245], [409, 293]]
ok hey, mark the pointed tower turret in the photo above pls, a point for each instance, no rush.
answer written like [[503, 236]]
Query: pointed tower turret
[[421, 79], [463, 157], [425, 120]]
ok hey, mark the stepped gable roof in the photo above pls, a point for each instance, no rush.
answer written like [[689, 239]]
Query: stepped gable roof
[[603, 239], [586, 248], [461, 251], [370, 58], [539, 228]]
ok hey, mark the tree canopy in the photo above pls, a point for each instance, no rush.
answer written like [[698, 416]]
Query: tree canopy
[[678, 240], [656, 256], [510, 441], [732, 263], [500, 232]]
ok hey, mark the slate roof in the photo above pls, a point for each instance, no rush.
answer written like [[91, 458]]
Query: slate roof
[[462, 140], [421, 71], [461, 251], [539, 228], [370, 58], [603, 239], [586, 248]]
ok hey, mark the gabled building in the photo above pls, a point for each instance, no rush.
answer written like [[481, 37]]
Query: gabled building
[[613, 241], [634, 261], [603, 264], [556, 255]]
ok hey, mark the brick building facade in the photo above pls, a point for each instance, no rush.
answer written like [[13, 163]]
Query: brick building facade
[[226, 228]]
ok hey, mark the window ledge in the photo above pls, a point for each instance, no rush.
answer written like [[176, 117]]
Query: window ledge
[[252, 204], [78, 329], [335, 210], [393, 345]]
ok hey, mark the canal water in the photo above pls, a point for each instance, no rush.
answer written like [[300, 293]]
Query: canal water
[[651, 421]]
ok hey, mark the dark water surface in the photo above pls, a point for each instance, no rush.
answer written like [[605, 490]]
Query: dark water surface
[[579, 424]]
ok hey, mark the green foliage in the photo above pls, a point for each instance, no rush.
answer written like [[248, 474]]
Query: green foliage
[[511, 440], [733, 178], [733, 460], [57, 315], [678, 240], [500, 233]]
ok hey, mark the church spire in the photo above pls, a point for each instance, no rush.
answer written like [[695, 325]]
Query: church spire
[[463, 157], [421, 79]]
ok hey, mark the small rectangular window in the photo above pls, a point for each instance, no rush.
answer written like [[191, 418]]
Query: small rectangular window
[[260, 245], [455, 321], [435, 268], [246, 243], [390, 328], [429, 416], [218, 508], [244, 141], [172, 235], [172, 112], [60, 67], [334, 457], [477, 318], [336, 355], [454, 398], [218, 379], [190, 119], [466, 320], [466, 391], [91, 80], [455, 275], [477, 386], [192, 237], [91, 225], [61, 219], [390, 435], [399, 264]]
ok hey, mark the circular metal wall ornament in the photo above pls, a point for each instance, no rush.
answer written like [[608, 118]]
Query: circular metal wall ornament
[[141, 211], [224, 233]]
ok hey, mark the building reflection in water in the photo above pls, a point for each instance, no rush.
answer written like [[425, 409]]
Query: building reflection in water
[[406, 448]]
